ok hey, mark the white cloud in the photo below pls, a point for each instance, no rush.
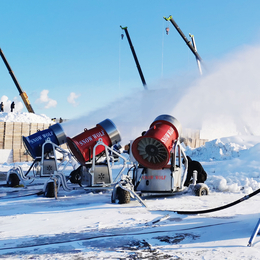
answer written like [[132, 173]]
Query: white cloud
[[18, 105], [72, 98], [4, 99], [45, 99]]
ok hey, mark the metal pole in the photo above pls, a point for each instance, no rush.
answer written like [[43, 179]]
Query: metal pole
[[255, 232], [194, 46], [135, 57], [21, 92], [194, 51]]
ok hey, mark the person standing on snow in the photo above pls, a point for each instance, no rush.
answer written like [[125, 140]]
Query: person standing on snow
[[12, 106], [2, 107], [195, 166]]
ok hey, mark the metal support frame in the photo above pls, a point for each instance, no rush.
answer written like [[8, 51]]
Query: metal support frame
[[126, 183], [181, 153], [107, 148], [255, 232], [59, 166], [59, 149]]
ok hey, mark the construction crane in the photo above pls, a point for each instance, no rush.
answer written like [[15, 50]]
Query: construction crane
[[135, 57], [192, 45], [21, 92]]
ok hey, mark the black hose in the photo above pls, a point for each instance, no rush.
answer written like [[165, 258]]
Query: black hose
[[215, 209]]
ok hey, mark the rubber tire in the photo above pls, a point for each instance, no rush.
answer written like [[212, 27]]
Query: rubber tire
[[123, 196], [201, 190], [75, 177], [13, 180], [49, 190]]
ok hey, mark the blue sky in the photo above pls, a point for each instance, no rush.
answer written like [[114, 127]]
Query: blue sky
[[68, 56]]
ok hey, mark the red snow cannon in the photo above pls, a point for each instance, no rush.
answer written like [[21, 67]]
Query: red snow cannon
[[152, 150], [82, 145]]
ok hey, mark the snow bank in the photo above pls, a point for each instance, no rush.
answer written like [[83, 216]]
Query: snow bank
[[215, 150], [24, 117], [231, 167], [6, 155]]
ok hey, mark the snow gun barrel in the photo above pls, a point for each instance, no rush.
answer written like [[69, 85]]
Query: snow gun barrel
[[82, 145], [194, 51], [21, 92], [33, 143], [152, 149], [135, 57]]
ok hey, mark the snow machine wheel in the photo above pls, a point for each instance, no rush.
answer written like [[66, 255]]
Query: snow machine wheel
[[13, 180], [49, 190], [201, 189], [75, 177], [123, 196]]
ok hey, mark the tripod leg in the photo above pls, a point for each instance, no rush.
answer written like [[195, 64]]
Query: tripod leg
[[252, 238]]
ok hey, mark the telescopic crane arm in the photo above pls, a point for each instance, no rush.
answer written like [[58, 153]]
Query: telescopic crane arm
[[135, 57], [194, 46], [194, 51], [21, 92]]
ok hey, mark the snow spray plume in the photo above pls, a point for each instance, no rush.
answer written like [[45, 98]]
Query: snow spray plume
[[132, 114], [226, 101], [223, 102]]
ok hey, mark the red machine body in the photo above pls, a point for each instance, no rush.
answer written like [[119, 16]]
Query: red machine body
[[82, 145], [152, 150]]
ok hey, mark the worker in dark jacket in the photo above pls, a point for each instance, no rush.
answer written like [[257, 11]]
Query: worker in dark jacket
[[195, 166], [12, 106]]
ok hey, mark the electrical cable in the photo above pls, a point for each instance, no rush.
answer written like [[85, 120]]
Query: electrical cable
[[214, 209]]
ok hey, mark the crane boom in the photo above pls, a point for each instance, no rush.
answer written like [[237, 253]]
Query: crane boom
[[194, 51], [194, 46], [21, 92], [135, 57]]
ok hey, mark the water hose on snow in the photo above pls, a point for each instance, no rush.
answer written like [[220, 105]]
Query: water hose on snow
[[218, 208]]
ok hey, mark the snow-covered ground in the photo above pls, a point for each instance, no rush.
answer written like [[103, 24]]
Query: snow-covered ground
[[80, 225]]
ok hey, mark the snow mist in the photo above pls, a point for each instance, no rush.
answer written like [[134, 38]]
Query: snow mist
[[223, 102]]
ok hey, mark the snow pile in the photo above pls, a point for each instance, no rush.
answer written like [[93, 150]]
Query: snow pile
[[215, 150], [231, 167], [24, 117]]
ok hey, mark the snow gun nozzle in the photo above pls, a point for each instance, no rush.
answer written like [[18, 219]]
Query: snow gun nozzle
[[152, 149]]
